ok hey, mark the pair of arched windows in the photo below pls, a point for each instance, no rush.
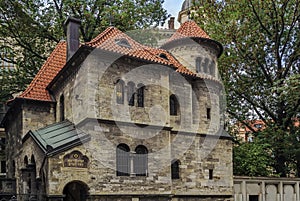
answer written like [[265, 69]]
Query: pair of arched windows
[[205, 65], [132, 92], [125, 160]]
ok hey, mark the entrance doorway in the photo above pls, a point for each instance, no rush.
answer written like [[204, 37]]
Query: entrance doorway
[[75, 191]]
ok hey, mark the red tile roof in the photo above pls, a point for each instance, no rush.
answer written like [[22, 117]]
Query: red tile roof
[[188, 29], [112, 40], [55, 62]]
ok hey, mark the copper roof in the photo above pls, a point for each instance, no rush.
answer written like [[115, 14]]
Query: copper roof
[[55, 62], [189, 29]]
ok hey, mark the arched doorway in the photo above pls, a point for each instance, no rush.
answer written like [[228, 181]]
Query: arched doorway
[[75, 191]]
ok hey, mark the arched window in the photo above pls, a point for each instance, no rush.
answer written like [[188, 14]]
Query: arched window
[[198, 64], [205, 65], [130, 93], [140, 95], [175, 169], [141, 161], [13, 169], [173, 105], [212, 68], [123, 160], [62, 108], [120, 91], [32, 160], [25, 161]]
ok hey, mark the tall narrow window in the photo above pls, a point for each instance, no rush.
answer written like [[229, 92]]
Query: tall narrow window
[[131, 93], [212, 68], [210, 174], [173, 105], [175, 169], [3, 167], [205, 65], [120, 91], [208, 115], [141, 161], [123, 160], [140, 95], [62, 108], [198, 64]]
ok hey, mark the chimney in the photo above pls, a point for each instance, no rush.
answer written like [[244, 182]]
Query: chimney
[[171, 23], [72, 26]]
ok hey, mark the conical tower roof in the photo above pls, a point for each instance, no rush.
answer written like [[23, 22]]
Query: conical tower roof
[[187, 30], [190, 30]]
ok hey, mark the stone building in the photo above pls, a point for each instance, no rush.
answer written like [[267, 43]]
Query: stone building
[[113, 119]]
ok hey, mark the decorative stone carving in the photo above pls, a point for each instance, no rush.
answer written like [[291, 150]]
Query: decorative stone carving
[[76, 159]]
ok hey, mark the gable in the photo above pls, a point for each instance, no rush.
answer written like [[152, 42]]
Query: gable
[[57, 137]]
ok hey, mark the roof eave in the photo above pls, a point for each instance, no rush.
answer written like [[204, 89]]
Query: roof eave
[[178, 42]]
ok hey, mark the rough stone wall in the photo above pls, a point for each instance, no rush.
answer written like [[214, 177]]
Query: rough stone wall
[[37, 115], [197, 155], [90, 102], [27, 116], [101, 172], [13, 129], [189, 52], [32, 151]]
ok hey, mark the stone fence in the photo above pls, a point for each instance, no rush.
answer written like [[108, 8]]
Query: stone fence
[[266, 189]]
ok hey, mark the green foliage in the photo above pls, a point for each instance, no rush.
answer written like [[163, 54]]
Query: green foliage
[[252, 159], [32, 28], [260, 67]]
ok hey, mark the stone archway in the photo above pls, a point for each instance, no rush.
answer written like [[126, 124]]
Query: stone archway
[[75, 191]]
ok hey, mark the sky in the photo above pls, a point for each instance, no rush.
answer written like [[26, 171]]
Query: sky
[[173, 7]]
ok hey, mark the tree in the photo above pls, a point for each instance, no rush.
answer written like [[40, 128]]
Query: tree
[[30, 29], [252, 159], [260, 67]]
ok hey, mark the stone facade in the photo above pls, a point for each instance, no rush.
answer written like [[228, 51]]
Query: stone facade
[[174, 118]]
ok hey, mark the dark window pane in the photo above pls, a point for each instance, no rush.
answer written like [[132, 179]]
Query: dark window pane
[[198, 64], [120, 92], [141, 161], [131, 93], [175, 169], [3, 167], [253, 198], [62, 108], [123, 160], [211, 174], [140, 96], [173, 105], [208, 116]]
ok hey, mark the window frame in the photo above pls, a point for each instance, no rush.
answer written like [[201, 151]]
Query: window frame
[[131, 93], [141, 161], [140, 95], [198, 62], [175, 169], [120, 88], [122, 160], [173, 101]]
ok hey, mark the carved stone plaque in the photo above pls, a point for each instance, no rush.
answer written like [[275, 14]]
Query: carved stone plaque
[[76, 159]]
